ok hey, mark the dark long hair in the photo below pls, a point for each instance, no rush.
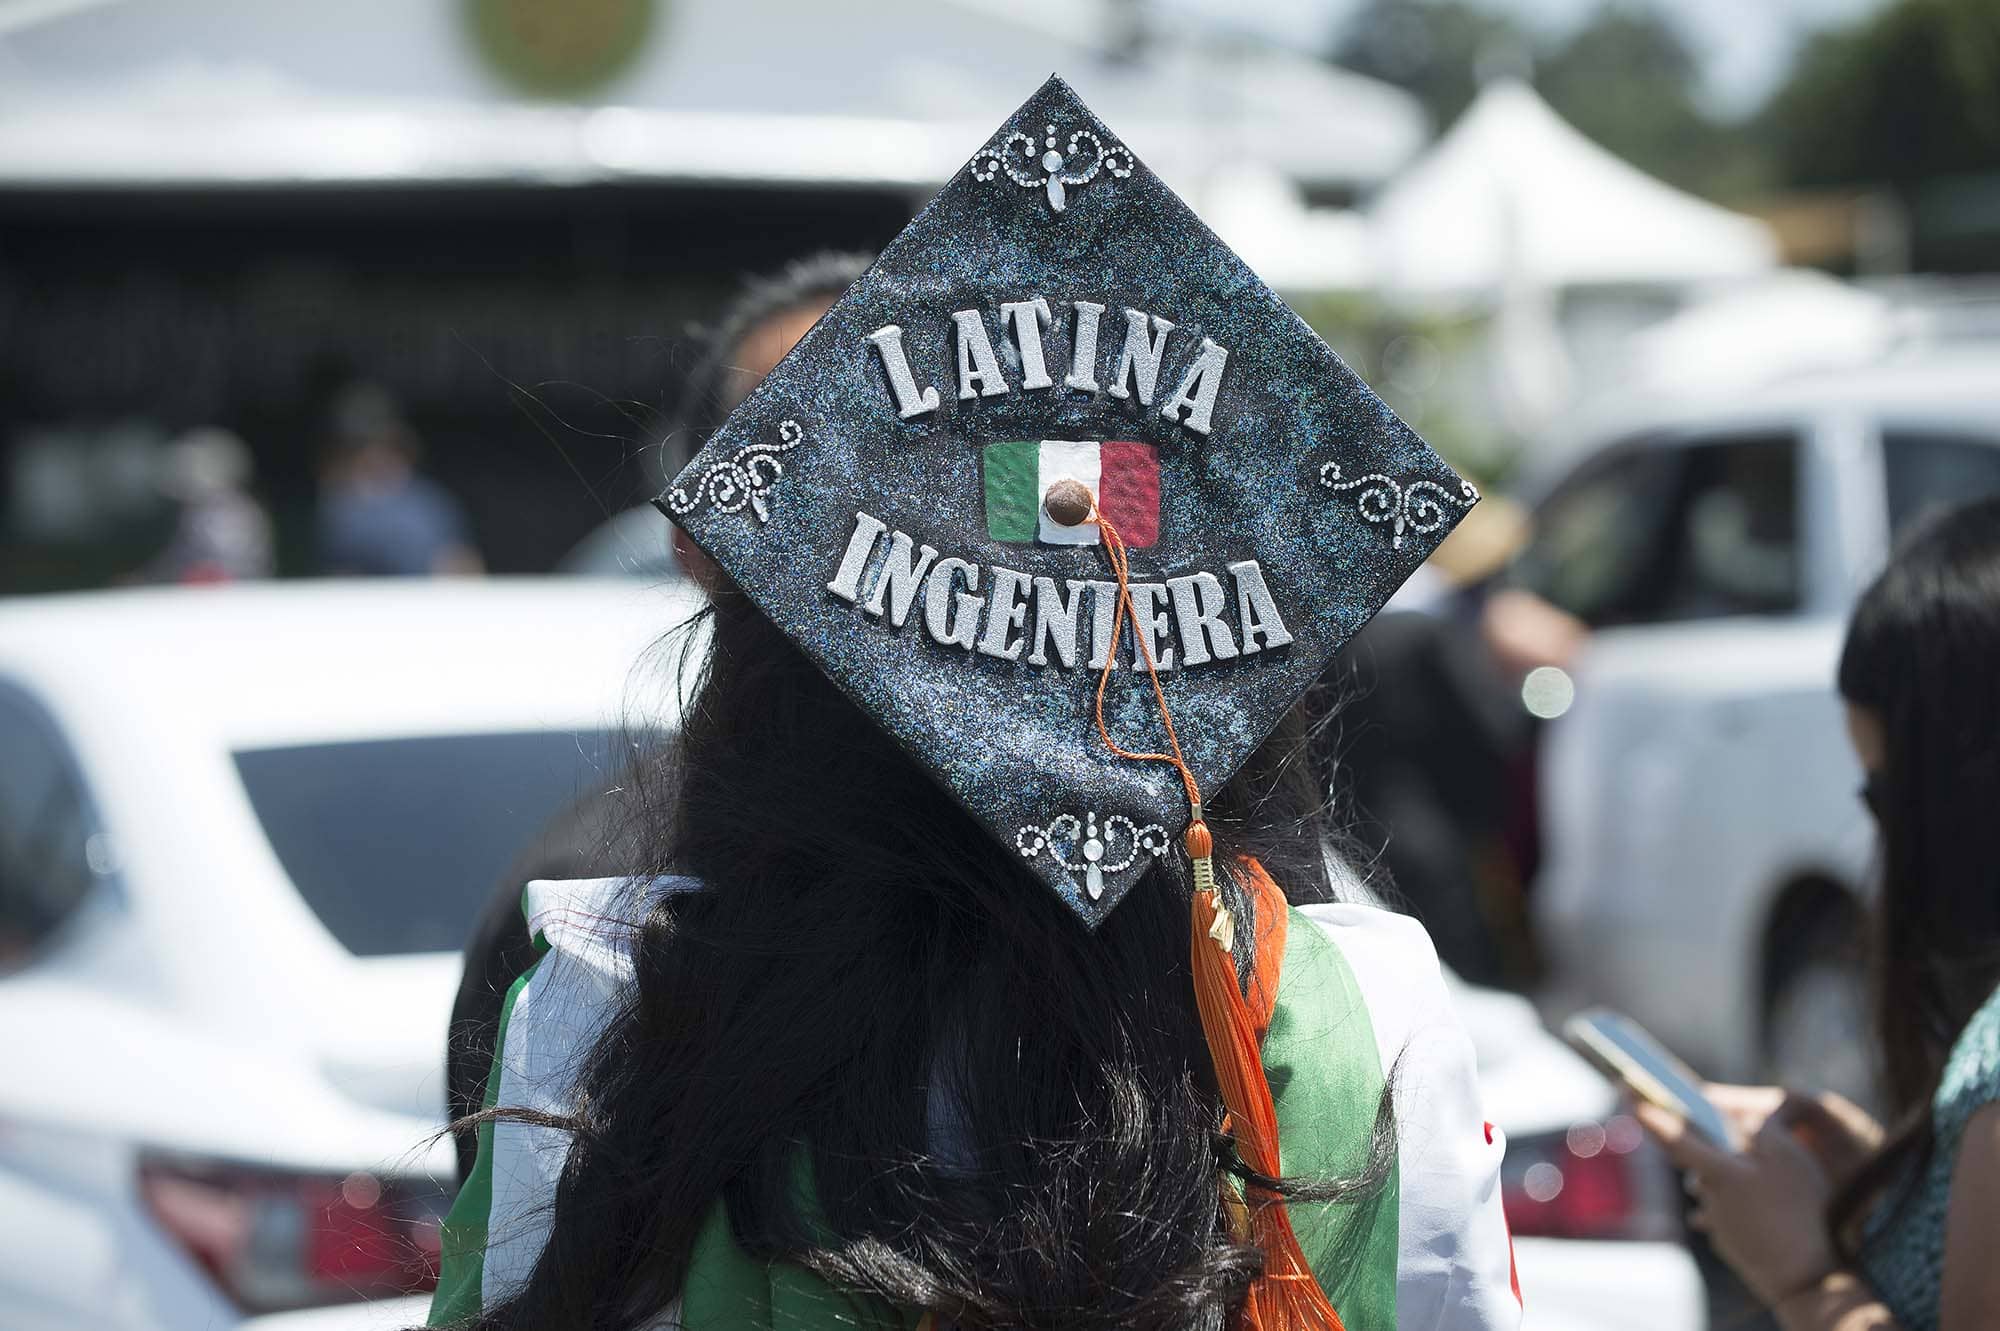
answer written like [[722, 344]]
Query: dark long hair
[[1923, 654], [1003, 1117]]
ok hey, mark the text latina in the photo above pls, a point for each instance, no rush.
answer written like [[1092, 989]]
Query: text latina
[[1134, 371]]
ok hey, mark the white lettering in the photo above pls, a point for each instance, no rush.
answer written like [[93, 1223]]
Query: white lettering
[[1199, 386], [1198, 604], [1006, 610], [1139, 359], [1256, 612], [1055, 622], [976, 361], [846, 582], [1104, 608], [1083, 347], [888, 339], [1180, 622], [953, 621], [900, 578], [1150, 630], [1029, 318]]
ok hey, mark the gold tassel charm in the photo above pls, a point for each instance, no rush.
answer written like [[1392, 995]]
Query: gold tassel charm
[[1223, 931], [1201, 853]]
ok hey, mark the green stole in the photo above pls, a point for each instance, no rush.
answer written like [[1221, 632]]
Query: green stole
[[1326, 1078]]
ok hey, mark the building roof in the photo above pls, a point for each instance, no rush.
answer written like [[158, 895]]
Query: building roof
[[207, 92]]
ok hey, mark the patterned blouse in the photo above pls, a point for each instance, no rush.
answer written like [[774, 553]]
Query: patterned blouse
[[1903, 1257]]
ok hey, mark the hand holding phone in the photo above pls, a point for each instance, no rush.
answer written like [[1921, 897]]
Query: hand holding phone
[[1624, 1051]]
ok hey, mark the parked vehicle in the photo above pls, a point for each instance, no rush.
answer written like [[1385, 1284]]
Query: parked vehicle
[[1594, 1210], [243, 834], [1705, 856]]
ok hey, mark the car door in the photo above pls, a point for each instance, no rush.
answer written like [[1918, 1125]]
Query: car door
[[1671, 785]]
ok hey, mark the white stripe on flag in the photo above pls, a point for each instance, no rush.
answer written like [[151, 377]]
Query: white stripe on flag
[[1062, 460]]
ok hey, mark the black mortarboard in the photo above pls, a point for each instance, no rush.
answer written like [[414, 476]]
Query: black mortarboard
[[1057, 314]]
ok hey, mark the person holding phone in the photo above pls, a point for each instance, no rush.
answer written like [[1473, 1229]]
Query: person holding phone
[[1834, 1221]]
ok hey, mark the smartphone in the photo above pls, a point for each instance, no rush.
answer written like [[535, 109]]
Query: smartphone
[[1626, 1052]]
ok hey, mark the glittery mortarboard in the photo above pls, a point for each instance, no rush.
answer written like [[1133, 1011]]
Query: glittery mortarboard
[[1056, 314]]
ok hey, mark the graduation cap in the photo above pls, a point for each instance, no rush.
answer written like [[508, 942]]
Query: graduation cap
[[924, 495]]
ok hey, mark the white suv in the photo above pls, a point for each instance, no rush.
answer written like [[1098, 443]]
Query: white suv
[[1706, 858]]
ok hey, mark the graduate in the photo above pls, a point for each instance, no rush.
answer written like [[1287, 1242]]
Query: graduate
[[991, 966]]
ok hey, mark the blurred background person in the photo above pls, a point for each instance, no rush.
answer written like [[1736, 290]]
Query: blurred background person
[[221, 533], [378, 517], [1833, 1221]]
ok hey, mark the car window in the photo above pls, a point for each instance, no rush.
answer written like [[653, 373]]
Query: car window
[[396, 844], [1597, 536], [1735, 531], [1929, 470], [1665, 531], [45, 831]]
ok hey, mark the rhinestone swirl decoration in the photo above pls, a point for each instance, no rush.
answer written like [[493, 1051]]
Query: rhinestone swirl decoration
[[1414, 507], [1029, 164], [1066, 834], [745, 478]]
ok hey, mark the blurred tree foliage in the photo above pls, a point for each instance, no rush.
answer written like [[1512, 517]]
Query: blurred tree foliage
[[1909, 94], [1437, 50], [1412, 360], [1626, 78]]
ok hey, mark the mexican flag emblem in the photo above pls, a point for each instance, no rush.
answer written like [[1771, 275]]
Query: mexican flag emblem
[[1122, 476]]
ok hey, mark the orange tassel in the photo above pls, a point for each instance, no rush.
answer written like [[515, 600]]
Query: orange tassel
[[1286, 1297]]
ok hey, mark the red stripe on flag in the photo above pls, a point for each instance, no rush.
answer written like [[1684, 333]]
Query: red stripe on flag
[[1128, 489]]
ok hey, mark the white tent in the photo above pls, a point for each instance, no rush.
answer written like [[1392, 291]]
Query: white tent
[[1513, 196], [1261, 214]]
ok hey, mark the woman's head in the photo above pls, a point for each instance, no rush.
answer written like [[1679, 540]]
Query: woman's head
[[1920, 675], [1002, 1115]]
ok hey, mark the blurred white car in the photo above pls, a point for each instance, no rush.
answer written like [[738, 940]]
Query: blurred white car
[[243, 835], [1594, 1210], [1705, 857]]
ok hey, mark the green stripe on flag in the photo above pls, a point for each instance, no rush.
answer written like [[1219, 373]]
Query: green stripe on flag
[[1013, 490], [1326, 1076]]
